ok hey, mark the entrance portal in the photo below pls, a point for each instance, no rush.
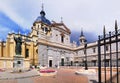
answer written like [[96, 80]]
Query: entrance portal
[[107, 63], [50, 63], [62, 62], [71, 63], [94, 63]]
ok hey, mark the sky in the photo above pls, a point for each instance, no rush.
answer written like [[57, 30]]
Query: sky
[[90, 15]]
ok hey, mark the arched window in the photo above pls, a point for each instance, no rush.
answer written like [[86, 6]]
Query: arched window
[[38, 26], [27, 53], [62, 37]]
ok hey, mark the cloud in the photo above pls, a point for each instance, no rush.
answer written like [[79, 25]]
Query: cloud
[[91, 15], [17, 11], [90, 37], [3, 32], [6, 9], [8, 25]]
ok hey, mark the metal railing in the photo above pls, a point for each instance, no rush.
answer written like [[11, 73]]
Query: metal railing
[[111, 40]]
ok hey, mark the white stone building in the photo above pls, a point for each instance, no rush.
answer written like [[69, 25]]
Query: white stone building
[[54, 47]]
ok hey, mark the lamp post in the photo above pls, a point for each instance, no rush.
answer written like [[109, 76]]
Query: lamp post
[[85, 47]]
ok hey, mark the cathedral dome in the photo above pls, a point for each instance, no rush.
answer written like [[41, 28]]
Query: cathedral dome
[[42, 18]]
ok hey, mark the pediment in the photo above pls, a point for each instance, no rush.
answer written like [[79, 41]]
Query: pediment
[[61, 26]]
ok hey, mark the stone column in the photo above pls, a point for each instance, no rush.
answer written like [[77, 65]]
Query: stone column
[[24, 49], [8, 48], [32, 52], [1, 49]]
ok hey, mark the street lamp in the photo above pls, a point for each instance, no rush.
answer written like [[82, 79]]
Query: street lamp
[[85, 47]]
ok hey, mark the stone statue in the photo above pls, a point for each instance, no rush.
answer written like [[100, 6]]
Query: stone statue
[[18, 48]]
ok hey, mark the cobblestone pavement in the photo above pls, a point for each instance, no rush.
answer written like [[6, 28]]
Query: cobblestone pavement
[[25, 80], [63, 76]]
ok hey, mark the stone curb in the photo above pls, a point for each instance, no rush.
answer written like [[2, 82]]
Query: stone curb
[[18, 77]]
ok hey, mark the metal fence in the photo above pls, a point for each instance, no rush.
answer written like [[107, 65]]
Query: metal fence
[[107, 59]]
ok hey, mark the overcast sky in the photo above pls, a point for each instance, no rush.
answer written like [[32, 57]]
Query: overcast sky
[[91, 15]]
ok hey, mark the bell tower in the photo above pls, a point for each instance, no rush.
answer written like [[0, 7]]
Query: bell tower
[[82, 38]]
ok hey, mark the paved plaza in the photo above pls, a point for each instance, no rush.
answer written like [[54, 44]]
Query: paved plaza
[[64, 75]]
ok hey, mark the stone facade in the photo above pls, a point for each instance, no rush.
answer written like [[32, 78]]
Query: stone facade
[[29, 50], [55, 48], [48, 44]]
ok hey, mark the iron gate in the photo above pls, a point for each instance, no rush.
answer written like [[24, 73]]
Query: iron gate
[[108, 56]]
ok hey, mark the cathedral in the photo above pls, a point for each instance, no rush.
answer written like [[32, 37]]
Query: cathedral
[[55, 48], [48, 44]]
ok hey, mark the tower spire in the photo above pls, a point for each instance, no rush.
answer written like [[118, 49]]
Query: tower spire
[[42, 7], [104, 30], [116, 26], [82, 38], [61, 19], [42, 13], [82, 32]]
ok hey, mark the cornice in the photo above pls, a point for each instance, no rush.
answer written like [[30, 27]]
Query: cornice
[[54, 44]]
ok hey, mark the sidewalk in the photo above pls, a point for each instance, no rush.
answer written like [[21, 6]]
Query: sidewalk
[[64, 75], [11, 75]]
